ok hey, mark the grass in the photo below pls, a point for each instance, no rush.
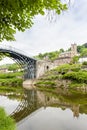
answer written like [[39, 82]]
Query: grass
[[6, 123]]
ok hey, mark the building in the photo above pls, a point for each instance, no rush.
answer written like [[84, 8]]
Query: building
[[64, 58], [67, 56]]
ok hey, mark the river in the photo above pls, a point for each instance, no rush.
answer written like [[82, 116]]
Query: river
[[39, 110]]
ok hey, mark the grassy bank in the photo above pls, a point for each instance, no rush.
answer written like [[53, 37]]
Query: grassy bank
[[11, 79], [64, 76], [6, 123]]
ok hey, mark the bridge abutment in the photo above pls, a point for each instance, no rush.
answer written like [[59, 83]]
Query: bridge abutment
[[43, 66]]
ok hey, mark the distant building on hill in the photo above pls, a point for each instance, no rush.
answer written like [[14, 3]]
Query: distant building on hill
[[66, 57], [71, 53]]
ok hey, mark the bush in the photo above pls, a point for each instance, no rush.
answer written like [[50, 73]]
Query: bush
[[78, 76], [84, 63], [67, 67], [11, 82], [63, 68], [45, 83]]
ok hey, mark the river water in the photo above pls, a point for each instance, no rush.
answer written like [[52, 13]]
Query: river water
[[39, 110]]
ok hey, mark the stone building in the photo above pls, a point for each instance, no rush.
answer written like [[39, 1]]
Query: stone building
[[71, 53], [66, 57]]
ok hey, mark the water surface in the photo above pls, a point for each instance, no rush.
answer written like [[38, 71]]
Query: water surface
[[54, 119], [40, 110]]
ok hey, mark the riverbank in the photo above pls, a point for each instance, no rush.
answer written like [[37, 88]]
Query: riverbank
[[11, 79], [64, 76]]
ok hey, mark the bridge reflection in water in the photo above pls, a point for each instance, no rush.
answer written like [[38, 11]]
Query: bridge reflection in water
[[28, 105]]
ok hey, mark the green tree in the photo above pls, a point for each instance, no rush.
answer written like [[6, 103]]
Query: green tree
[[75, 59], [13, 67], [19, 14], [83, 52], [61, 50], [80, 48]]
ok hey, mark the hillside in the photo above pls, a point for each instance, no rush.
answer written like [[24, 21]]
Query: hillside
[[64, 76], [49, 55], [55, 54]]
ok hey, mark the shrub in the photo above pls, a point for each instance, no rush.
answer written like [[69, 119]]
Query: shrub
[[45, 83], [78, 76], [84, 63]]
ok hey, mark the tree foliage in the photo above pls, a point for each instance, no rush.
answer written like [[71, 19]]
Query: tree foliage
[[13, 67], [75, 59], [79, 76], [19, 14], [49, 55], [84, 52]]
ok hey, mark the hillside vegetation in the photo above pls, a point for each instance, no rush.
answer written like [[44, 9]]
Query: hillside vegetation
[[82, 49], [64, 76]]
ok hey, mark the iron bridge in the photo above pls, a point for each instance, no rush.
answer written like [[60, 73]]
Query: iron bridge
[[27, 63]]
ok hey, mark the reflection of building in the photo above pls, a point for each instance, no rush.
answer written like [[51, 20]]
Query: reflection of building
[[75, 110]]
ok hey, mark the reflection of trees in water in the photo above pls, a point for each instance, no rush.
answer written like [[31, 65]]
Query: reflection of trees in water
[[75, 101], [34, 99]]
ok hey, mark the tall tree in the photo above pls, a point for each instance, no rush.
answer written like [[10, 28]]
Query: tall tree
[[19, 14]]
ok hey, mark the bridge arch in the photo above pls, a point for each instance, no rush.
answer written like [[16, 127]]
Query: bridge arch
[[26, 62]]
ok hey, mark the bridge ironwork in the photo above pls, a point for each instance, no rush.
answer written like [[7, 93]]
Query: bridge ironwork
[[24, 60]]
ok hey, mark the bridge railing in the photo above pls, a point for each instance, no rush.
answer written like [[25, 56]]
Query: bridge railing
[[11, 48]]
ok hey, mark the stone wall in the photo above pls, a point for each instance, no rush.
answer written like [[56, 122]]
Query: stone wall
[[42, 67]]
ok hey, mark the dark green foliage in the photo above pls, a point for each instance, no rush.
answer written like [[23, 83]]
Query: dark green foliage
[[67, 67], [85, 45], [63, 68], [13, 67], [80, 76], [6, 123], [75, 59], [19, 14], [83, 52], [11, 79], [50, 55], [45, 83], [11, 82], [84, 63], [10, 75], [79, 48]]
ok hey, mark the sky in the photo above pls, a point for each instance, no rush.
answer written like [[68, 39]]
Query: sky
[[46, 36]]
